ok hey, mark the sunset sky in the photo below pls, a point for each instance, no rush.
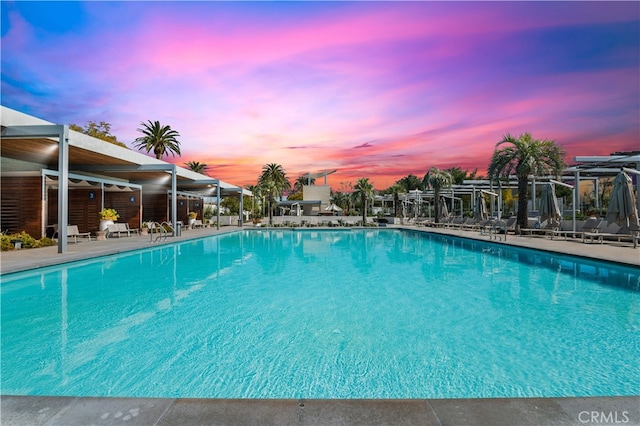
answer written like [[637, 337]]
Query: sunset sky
[[372, 89]]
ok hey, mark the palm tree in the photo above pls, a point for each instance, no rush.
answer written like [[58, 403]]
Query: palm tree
[[273, 181], [256, 193], [522, 157], [363, 189], [437, 180], [302, 181], [160, 139], [196, 166], [396, 189]]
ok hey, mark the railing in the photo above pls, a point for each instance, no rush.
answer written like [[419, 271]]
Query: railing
[[497, 230], [160, 230]]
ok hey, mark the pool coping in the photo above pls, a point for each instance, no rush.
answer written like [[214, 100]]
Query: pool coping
[[53, 410], [70, 411]]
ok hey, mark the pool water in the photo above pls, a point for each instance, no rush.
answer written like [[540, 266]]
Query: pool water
[[323, 314]]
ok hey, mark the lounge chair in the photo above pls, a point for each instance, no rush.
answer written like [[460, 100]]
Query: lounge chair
[[72, 231], [132, 230], [550, 226], [627, 233], [591, 225], [118, 229], [444, 222]]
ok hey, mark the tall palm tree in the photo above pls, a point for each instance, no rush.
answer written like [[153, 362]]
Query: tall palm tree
[[396, 189], [302, 181], [256, 194], [159, 139], [363, 189], [273, 182], [522, 157], [437, 180], [196, 166]]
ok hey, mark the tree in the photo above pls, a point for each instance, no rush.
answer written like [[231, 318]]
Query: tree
[[395, 190], [522, 157], [458, 176], [341, 200], [409, 183], [437, 180], [256, 208], [363, 189], [273, 181], [302, 181], [159, 139], [101, 130], [196, 166]]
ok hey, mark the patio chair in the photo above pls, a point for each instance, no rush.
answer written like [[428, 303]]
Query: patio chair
[[591, 225], [118, 229], [550, 226], [627, 233], [132, 230], [72, 231]]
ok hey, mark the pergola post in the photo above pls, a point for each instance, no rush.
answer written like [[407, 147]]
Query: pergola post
[[240, 220], [174, 198], [576, 192], [63, 188], [218, 206]]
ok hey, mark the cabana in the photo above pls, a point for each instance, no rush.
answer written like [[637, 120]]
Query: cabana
[[44, 164]]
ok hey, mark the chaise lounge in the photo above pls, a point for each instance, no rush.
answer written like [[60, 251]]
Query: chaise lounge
[[72, 231]]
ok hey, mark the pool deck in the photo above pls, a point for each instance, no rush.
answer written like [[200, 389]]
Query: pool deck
[[70, 411]]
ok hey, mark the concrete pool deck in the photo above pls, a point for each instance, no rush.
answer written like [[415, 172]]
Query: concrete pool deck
[[45, 410]]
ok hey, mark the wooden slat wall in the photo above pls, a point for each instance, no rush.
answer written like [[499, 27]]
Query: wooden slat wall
[[84, 206], [196, 206], [127, 204], [20, 208], [155, 207]]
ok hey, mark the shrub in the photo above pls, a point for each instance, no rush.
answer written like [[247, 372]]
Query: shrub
[[6, 241]]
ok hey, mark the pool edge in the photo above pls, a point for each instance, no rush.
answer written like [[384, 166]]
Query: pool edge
[[44, 410]]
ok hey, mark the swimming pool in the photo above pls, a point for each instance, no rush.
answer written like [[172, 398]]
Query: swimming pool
[[323, 314]]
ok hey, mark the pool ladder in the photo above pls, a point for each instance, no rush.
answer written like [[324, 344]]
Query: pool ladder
[[497, 229], [162, 232]]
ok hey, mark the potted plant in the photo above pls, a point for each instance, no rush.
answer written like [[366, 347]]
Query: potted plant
[[144, 230], [107, 217], [192, 218], [208, 214]]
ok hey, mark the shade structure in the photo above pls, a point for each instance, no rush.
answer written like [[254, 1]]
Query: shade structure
[[480, 211], [622, 206], [333, 208], [549, 209], [444, 210]]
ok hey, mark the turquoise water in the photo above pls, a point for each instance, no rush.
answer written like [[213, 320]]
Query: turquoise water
[[323, 314]]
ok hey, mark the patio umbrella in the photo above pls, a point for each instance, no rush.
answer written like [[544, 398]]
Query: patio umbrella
[[622, 207], [404, 210], [480, 210], [549, 209], [444, 210], [333, 208]]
